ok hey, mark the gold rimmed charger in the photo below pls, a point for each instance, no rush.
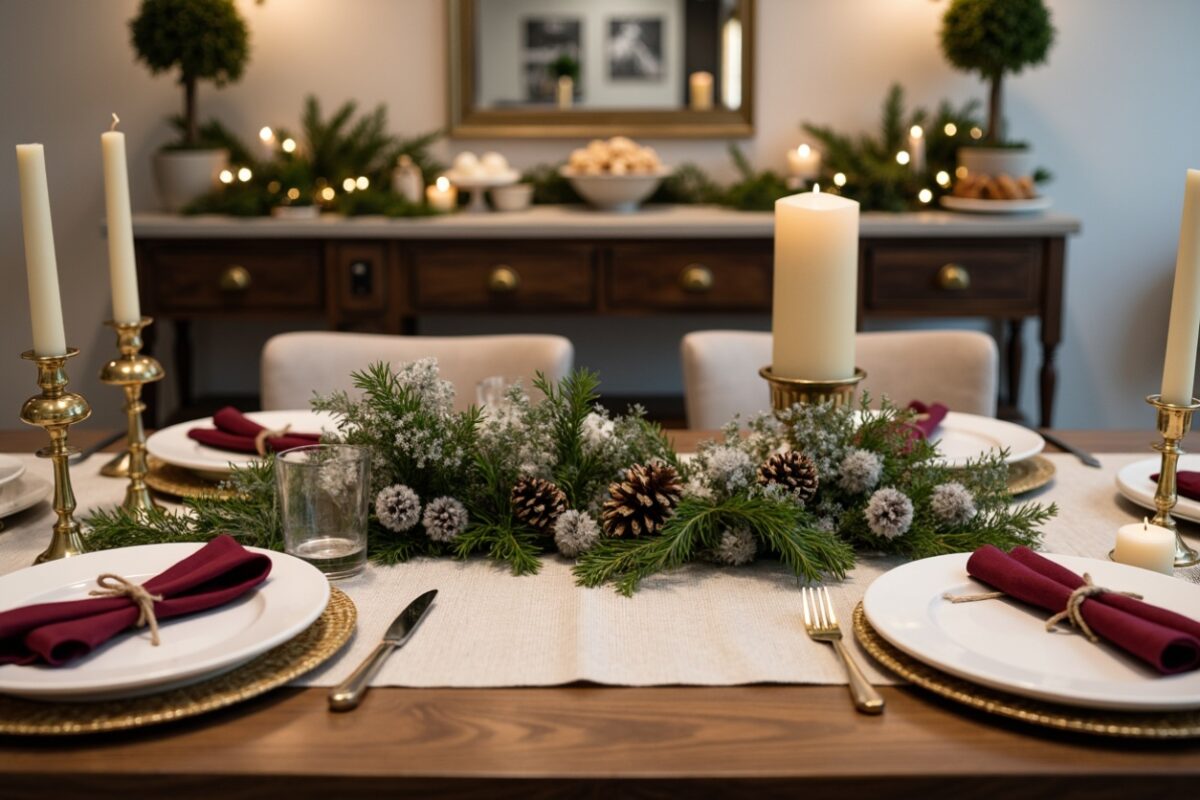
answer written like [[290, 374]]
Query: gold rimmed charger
[[1029, 474], [179, 482], [307, 651], [1099, 722]]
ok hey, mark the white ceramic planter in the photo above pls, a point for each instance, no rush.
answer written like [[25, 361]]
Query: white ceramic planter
[[184, 175], [1016, 162]]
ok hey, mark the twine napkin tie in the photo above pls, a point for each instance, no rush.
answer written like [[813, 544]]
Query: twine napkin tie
[[1073, 613], [115, 586], [260, 439]]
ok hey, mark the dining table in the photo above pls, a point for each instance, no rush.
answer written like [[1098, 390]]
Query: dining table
[[590, 740]]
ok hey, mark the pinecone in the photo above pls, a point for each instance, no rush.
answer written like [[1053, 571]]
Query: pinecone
[[643, 502], [537, 502], [792, 470]]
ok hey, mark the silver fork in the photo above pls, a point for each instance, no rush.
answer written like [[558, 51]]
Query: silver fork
[[822, 626]]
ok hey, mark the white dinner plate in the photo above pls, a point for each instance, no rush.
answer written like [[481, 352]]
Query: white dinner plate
[[978, 205], [11, 468], [1003, 644], [25, 492], [1133, 481], [172, 445], [966, 437], [192, 647]]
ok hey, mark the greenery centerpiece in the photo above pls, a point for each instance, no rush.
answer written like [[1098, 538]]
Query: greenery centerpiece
[[525, 479], [995, 38], [203, 40]]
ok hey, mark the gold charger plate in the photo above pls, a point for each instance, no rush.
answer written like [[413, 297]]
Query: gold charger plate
[[179, 482], [1140, 725], [272, 669], [1032, 473]]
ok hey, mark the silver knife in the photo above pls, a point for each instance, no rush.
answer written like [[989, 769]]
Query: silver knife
[[347, 696], [1082, 455]]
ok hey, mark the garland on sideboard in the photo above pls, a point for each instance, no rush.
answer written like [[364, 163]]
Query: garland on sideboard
[[810, 487]]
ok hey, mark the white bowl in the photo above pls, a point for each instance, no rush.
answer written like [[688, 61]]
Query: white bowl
[[514, 197], [623, 193]]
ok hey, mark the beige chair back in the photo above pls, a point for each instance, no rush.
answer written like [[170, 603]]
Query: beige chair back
[[297, 365], [958, 368]]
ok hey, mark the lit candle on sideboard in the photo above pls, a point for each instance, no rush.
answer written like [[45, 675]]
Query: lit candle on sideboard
[[700, 90], [804, 162], [440, 195], [1179, 367], [41, 268], [122, 267], [816, 286], [1141, 544], [916, 148]]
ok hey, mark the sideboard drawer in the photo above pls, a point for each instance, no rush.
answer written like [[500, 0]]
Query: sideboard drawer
[[513, 276], [718, 276], [260, 276], [958, 277]]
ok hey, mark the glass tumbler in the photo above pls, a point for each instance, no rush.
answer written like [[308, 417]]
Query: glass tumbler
[[324, 493]]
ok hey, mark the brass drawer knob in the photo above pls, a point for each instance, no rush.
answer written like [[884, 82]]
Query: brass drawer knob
[[503, 279], [954, 278], [696, 278], [235, 279]]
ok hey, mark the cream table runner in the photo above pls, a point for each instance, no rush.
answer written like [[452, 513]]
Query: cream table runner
[[701, 625]]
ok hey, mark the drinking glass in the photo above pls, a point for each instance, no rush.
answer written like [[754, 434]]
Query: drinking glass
[[324, 492]]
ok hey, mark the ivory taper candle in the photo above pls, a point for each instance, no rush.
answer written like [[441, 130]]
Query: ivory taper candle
[[1179, 367], [41, 268], [122, 268], [816, 286]]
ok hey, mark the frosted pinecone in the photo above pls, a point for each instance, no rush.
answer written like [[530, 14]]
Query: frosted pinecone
[[859, 471], [736, 547], [889, 513], [398, 508], [445, 518], [953, 503], [729, 469], [575, 533]]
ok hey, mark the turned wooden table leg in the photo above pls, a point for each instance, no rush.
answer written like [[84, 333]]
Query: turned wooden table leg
[[1016, 362], [1052, 314]]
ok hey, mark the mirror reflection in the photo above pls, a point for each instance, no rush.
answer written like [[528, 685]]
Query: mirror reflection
[[607, 54]]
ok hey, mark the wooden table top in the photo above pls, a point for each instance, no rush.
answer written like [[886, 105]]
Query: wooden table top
[[593, 741]]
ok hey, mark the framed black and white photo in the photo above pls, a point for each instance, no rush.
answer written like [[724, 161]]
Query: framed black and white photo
[[552, 46], [635, 48]]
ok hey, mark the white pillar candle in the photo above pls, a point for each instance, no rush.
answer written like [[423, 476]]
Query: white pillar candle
[[122, 267], [700, 91], [565, 92], [1147, 546], [45, 306], [1179, 368], [916, 148], [804, 162], [441, 195], [816, 286]]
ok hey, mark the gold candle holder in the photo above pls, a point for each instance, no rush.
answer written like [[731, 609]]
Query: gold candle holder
[[787, 392], [55, 410], [1173, 424], [131, 371]]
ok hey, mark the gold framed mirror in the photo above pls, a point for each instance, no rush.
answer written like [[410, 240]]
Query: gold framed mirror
[[567, 68]]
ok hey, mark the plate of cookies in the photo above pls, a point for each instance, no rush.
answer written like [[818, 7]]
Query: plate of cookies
[[995, 194]]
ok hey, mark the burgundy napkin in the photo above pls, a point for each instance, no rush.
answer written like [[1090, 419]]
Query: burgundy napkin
[[54, 633], [1131, 605], [1186, 482], [929, 417], [235, 431], [1154, 639]]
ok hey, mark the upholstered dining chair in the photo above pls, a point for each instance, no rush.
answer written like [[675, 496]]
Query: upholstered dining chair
[[958, 368], [295, 365]]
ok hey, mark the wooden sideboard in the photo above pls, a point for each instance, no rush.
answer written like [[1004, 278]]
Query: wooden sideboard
[[381, 275]]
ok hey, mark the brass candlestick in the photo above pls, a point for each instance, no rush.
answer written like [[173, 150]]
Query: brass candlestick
[[787, 392], [132, 371], [1173, 424], [55, 410]]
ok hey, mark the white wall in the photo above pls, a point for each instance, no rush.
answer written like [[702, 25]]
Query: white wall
[[1116, 115], [501, 34]]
